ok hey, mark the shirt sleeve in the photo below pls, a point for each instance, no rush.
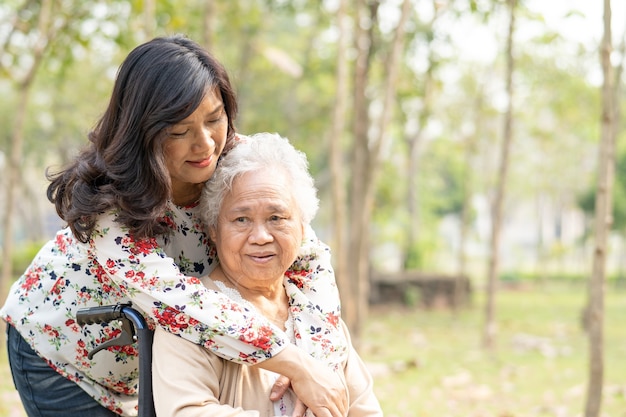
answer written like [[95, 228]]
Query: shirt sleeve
[[189, 382], [314, 302], [180, 304]]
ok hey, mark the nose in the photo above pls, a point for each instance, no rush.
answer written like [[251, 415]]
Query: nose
[[260, 234], [205, 141]]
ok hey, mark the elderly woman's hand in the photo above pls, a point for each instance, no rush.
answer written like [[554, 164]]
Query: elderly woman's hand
[[279, 389], [316, 385]]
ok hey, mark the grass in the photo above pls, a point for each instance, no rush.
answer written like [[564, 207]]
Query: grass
[[430, 363]]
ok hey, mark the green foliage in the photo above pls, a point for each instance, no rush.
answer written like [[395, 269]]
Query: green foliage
[[390, 196], [587, 199], [7, 113], [261, 42], [412, 296], [615, 280], [414, 258], [537, 277], [421, 254], [23, 256], [444, 161]]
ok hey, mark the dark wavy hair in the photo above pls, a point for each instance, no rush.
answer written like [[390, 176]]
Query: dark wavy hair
[[159, 84]]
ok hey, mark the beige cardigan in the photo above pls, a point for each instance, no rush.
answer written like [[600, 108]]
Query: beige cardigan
[[191, 381]]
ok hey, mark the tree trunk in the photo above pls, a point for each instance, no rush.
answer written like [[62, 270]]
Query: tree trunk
[[12, 188], [414, 145], [339, 203], [360, 164], [14, 164], [498, 203], [466, 205], [368, 158], [603, 221]]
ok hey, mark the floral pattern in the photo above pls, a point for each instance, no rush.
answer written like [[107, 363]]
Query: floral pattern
[[161, 278]]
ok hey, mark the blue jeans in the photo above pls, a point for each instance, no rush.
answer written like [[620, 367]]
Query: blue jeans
[[43, 391]]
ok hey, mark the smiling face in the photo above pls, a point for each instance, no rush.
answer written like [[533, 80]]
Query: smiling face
[[259, 231], [193, 147]]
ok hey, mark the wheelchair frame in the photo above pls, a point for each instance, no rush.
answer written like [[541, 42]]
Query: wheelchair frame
[[134, 329]]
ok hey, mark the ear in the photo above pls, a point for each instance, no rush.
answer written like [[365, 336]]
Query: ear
[[213, 233]]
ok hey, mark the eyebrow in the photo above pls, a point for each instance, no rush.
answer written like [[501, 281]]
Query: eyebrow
[[218, 109], [272, 208]]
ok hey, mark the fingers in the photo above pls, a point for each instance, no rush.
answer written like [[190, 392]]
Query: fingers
[[279, 388], [328, 412], [299, 409], [331, 408], [334, 411], [322, 391]]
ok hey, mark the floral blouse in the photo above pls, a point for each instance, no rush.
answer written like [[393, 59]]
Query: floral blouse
[[161, 278]]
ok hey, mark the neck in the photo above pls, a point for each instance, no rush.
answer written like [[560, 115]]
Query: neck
[[187, 196], [270, 300]]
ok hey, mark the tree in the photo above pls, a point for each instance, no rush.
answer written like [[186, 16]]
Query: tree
[[498, 202], [467, 186], [45, 31], [366, 152], [360, 165], [414, 141], [339, 201], [603, 221]]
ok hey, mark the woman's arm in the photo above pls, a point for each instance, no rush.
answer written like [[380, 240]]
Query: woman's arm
[[188, 381], [181, 304]]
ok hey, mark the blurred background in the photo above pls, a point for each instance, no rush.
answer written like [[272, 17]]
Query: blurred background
[[456, 148]]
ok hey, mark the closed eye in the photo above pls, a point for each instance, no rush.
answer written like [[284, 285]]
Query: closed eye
[[179, 134], [219, 118]]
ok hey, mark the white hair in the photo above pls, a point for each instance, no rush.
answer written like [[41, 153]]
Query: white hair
[[254, 153]]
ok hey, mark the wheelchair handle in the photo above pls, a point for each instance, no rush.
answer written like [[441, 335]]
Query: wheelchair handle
[[134, 328], [100, 314], [129, 318], [108, 313]]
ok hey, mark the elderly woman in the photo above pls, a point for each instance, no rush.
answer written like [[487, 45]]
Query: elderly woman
[[258, 205]]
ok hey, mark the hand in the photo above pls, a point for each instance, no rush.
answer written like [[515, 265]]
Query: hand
[[299, 409], [316, 385], [322, 391], [278, 390]]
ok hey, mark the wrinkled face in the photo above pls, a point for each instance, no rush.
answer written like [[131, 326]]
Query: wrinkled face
[[193, 147], [259, 231]]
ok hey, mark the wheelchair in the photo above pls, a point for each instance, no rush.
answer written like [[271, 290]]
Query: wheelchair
[[134, 329]]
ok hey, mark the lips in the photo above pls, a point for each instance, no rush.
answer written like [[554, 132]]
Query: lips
[[203, 163], [261, 257]]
